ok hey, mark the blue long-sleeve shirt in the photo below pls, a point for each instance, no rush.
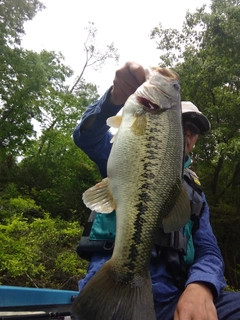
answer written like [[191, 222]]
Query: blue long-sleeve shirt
[[208, 266]]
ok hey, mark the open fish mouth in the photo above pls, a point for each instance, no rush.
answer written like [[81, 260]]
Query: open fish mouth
[[148, 105]]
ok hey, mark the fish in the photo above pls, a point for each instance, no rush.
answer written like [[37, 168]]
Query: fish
[[145, 186]]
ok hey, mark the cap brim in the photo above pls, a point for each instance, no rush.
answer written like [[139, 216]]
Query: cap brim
[[198, 119]]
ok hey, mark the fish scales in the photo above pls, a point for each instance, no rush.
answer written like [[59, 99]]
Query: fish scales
[[145, 187], [147, 194]]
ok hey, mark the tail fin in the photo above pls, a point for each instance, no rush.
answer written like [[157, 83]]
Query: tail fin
[[104, 298]]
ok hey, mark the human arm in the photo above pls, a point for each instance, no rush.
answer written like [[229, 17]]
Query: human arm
[[206, 276], [91, 134]]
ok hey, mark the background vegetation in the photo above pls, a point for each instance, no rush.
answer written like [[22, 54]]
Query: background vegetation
[[42, 177], [206, 56]]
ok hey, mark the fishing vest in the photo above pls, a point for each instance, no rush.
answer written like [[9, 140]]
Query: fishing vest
[[99, 233]]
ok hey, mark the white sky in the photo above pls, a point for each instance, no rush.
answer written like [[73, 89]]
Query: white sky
[[127, 23]]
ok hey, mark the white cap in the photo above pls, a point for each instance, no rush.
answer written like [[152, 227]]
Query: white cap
[[190, 113]]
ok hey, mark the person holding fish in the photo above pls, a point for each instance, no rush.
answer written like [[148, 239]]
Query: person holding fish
[[152, 251]]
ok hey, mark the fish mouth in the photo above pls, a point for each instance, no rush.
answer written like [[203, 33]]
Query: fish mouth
[[148, 105]]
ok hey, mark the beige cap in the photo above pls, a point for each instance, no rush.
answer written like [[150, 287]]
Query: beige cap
[[190, 113]]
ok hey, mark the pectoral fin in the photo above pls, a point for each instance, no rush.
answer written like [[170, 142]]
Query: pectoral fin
[[114, 122], [99, 198], [139, 124], [180, 214]]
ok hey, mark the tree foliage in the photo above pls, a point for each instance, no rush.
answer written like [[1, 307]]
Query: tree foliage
[[40, 252], [56, 176], [205, 53], [13, 15], [42, 173], [32, 88]]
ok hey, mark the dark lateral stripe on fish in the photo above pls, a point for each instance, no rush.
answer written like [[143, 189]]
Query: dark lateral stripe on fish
[[144, 199], [142, 208]]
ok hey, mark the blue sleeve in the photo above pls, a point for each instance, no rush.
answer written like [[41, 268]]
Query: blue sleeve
[[96, 262], [208, 263], [96, 141]]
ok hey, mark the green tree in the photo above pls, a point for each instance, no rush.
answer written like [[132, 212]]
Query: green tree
[[57, 176], [13, 14], [42, 171], [205, 53], [16, 65], [39, 253], [28, 81], [33, 86]]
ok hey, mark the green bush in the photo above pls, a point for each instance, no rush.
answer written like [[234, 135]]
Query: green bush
[[40, 253]]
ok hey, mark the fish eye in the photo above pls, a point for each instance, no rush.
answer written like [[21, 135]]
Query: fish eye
[[176, 86]]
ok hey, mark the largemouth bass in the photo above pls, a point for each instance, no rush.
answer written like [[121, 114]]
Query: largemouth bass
[[145, 187]]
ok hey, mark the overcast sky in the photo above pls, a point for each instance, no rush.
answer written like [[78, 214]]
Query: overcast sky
[[127, 23]]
